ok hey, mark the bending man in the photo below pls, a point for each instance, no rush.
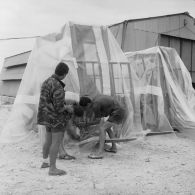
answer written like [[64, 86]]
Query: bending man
[[112, 114]]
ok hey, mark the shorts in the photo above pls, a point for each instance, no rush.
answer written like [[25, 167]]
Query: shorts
[[59, 128], [117, 116]]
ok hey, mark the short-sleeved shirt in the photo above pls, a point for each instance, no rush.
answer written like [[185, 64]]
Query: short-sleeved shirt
[[107, 106]]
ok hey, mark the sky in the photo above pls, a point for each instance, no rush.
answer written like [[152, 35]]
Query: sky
[[26, 18]]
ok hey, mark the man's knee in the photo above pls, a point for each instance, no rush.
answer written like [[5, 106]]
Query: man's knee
[[107, 125], [57, 137]]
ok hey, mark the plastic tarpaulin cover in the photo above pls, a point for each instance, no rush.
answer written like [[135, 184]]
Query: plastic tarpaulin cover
[[46, 54], [98, 66], [163, 86]]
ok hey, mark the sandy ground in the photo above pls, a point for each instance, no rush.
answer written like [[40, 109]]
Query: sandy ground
[[159, 165]]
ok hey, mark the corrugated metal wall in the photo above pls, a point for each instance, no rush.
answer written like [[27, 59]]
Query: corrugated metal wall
[[177, 31], [9, 88], [185, 48], [12, 73]]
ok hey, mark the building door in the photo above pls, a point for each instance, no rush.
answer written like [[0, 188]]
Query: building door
[[185, 48]]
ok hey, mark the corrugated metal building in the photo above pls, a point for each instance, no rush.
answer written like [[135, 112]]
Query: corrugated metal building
[[12, 72], [176, 30]]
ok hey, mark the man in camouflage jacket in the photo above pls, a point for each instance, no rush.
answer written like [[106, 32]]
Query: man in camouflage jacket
[[53, 114], [52, 110]]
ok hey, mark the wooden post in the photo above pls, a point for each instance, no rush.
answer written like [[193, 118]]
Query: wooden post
[[120, 140]]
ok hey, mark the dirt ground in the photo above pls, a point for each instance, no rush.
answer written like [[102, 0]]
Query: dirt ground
[[156, 165]]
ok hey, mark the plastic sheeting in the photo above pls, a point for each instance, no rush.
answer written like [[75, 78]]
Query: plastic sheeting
[[46, 54], [163, 86], [98, 65]]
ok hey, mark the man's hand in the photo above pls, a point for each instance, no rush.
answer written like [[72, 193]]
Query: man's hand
[[69, 108]]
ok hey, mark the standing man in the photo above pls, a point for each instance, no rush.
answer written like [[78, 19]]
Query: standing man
[[53, 114]]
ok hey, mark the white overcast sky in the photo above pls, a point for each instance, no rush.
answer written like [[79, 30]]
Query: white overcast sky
[[21, 18]]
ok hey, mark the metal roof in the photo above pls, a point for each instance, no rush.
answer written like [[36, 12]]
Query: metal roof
[[18, 54], [149, 18]]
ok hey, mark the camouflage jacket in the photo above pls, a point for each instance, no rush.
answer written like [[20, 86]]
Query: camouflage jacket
[[52, 110]]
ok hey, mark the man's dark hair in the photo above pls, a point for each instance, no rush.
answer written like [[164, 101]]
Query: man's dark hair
[[84, 101], [78, 110], [61, 69]]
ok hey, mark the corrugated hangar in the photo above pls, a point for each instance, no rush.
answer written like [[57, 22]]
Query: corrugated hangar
[[175, 30]]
